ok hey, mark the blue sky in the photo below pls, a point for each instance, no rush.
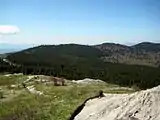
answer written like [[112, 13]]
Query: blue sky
[[81, 21]]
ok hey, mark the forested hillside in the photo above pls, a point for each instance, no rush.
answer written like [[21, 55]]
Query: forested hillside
[[145, 53], [74, 61]]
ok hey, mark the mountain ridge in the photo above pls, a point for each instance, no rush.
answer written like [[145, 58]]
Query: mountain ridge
[[116, 64], [145, 53]]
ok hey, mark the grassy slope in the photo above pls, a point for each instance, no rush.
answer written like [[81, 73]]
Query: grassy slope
[[57, 104]]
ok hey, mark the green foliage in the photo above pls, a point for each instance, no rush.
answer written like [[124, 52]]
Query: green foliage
[[77, 62], [147, 46], [1, 94], [4, 80], [57, 104]]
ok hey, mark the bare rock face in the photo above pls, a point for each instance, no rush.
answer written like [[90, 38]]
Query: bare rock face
[[87, 81], [143, 105], [32, 90]]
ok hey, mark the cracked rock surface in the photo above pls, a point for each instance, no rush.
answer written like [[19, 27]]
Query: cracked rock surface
[[142, 105]]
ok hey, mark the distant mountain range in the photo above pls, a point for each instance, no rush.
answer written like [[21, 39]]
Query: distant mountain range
[[9, 48], [145, 53], [2, 51], [114, 63]]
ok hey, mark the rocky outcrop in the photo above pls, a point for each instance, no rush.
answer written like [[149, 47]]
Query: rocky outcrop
[[143, 105]]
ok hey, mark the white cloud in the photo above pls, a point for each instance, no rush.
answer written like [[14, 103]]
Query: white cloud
[[8, 29]]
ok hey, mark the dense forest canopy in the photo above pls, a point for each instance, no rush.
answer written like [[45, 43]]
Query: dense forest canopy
[[74, 61]]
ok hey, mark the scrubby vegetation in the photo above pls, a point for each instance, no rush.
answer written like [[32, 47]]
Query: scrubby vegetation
[[57, 103]]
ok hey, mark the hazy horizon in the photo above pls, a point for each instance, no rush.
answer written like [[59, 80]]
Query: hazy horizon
[[85, 22]]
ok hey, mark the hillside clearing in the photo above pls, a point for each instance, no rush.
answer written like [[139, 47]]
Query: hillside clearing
[[57, 103]]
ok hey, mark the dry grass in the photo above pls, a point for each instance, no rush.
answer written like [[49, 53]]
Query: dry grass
[[57, 103]]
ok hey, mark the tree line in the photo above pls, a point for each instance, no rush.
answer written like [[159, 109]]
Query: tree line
[[125, 75], [78, 62]]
